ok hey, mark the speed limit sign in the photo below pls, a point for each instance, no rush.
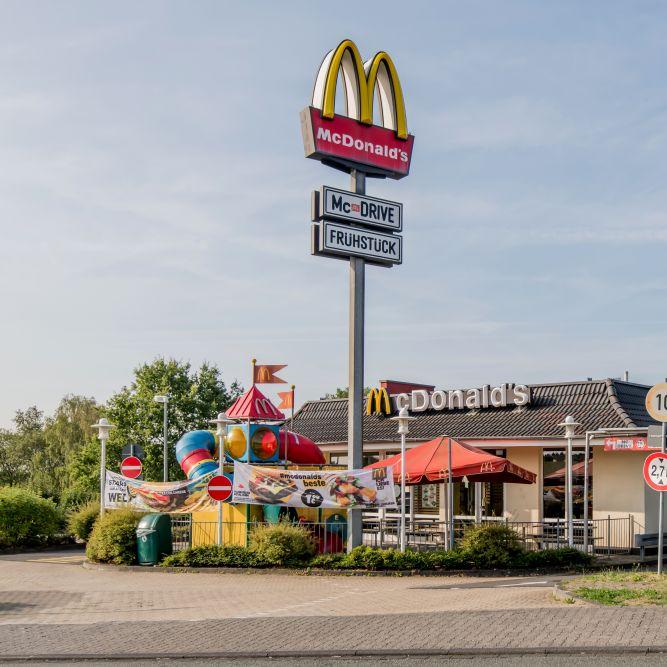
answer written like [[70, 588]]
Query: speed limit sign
[[655, 471], [656, 402]]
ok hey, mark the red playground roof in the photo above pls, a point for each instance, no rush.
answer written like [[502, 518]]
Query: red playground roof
[[254, 405]]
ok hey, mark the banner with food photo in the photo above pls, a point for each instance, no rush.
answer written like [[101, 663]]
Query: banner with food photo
[[168, 497], [336, 489]]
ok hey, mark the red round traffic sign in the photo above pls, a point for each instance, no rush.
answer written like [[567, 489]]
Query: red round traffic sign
[[220, 487], [131, 467], [655, 471]]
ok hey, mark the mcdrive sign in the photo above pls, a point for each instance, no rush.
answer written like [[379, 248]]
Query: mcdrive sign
[[332, 203]]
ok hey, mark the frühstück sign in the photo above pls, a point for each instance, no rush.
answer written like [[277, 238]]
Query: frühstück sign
[[340, 239], [336, 489]]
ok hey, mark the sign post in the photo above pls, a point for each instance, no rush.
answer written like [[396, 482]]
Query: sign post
[[352, 143], [656, 406], [355, 397], [131, 467]]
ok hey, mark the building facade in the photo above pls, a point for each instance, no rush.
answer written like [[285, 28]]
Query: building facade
[[525, 429]]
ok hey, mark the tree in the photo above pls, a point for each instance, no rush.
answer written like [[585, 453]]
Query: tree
[[342, 393], [19, 446], [195, 397]]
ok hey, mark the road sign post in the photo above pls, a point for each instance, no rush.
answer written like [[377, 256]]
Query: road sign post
[[656, 406], [220, 488], [131, 467]]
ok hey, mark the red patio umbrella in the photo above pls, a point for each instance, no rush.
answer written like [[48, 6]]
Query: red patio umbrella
[[428, 463]]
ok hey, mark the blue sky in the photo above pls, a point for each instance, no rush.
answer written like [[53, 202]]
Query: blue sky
[[154, 197]]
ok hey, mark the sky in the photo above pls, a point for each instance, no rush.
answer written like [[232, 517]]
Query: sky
[[154, 196]]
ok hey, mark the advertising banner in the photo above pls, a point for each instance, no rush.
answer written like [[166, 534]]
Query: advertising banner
[[329, 489], [626, 444], [168, 497]]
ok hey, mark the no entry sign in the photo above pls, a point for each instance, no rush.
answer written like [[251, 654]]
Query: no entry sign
[[655, 471], [131, 467], [220, 487]]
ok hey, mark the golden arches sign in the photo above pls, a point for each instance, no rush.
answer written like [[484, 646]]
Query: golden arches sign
[[360, 80], [378, 402]]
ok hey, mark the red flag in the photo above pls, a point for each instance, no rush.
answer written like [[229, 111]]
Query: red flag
[[265, 374], [287, 400]]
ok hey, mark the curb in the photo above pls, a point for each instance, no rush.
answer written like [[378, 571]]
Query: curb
[[359, 653], [312, 572]]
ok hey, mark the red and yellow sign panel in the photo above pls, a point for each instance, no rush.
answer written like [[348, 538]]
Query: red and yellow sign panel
[[351, 140]]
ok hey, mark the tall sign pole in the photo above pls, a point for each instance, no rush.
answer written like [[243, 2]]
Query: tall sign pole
[[349, 225], [655, 466], [355, 400]]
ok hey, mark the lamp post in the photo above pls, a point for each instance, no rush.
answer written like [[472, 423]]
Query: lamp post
[[164, 399], [103, 427], [570, 426], [403, 420], [221, 422]]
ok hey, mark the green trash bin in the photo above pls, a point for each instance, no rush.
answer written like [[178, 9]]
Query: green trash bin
[[154, 540]]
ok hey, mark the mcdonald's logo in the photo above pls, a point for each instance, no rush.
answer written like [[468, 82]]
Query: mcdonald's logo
[[378, 402], [360, 80], [351, 140]]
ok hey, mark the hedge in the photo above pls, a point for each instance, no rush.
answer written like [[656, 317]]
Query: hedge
[[26, 519], [367, 558], [81, 521]]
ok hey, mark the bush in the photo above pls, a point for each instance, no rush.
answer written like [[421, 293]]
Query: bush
[[567, 557], [80, 522], [113, 539], [214, 556], [26, 519], [282, 544], [491, 546]]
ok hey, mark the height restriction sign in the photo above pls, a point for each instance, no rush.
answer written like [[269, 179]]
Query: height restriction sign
[[655, 471]]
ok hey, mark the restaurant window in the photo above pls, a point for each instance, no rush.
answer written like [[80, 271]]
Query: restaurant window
[[554, 464], [492, 498], [338, 460]]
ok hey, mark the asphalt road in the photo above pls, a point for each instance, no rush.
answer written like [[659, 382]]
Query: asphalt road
[[407, 661]]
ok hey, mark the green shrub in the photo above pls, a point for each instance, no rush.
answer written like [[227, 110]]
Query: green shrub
[[566, 557], [26, 519], [446, 560], [329, 561], [113, 539], [491, 546], [72, 499], [80, 522], [214, 556], [282, 544]]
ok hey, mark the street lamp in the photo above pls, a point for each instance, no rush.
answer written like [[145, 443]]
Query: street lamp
[[221, 422], [164, 399], [103, 427], [570, 426], [403, 420]]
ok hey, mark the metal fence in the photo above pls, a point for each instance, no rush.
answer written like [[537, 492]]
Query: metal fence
[[605, 536]]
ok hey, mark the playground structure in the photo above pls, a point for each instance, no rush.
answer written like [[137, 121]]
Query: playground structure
[[255, 436]]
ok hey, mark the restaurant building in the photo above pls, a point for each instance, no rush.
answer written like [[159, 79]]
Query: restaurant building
[[524, 424]]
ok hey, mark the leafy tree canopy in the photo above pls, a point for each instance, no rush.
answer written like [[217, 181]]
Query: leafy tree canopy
[[195, 397], [342, 393]]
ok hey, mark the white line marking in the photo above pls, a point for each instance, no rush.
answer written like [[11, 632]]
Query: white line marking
[[526, 583]]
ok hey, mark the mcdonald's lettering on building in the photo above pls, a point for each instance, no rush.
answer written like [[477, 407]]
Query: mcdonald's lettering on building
[[351, 140]]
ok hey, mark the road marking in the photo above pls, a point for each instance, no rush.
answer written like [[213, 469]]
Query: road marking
[[525, 583]]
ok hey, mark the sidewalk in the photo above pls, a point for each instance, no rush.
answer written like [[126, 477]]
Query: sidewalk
[[51, 607]]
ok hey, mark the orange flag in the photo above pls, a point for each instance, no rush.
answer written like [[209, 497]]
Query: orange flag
[[287, 399], [265, 374]]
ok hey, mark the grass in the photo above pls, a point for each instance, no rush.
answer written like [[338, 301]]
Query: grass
[[620, 588]]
